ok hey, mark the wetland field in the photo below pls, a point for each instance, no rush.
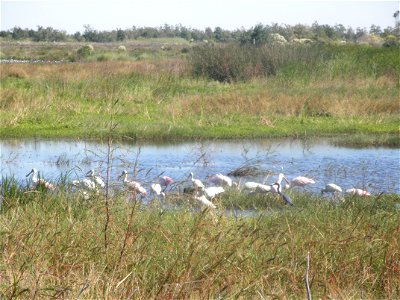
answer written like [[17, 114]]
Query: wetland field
[[170, 107]]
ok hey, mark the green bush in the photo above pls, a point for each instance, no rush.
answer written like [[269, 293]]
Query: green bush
[[85, 51], [391, 41], [243, 62]]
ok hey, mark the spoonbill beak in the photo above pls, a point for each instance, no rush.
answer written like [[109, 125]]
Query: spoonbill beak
[[29, 173]]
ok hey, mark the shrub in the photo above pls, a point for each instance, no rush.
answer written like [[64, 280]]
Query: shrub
[[121, 48], [85, 51], [238, 63], [391, 41]]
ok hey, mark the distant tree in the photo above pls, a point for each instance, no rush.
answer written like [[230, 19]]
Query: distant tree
[[360, 32], [5, 34], [218, 36], [184, 33], [18, 33], [374, 29], [78, 36], [121, 35], [340, 31], [197, 35], [301, 31], [208, 33], [258, 35], [350, 35], [90, 34]]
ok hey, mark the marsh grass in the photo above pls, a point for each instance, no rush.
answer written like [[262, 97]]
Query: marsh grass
[[160, 100], [52, 246], [229, 63]]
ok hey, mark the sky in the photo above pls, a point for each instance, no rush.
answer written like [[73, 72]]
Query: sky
[[71, 16]]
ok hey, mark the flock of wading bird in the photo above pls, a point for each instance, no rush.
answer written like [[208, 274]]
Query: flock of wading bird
[[92, 184]]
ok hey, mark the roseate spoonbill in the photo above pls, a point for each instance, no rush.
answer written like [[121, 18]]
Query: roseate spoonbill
[[357, 192], [203, 200], [301, 181], [220, 179], [39, 181], [132, 185], [156, 189], [97, 180], [213, 191], [165, 181], [197, 184]]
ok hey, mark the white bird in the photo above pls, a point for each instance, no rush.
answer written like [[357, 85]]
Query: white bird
[[213, 191], [156, 189], [39, 181], [281, 177], [132, 185], [88, 187], [301, 181], [97, 180], [203, 200], [197, 184], [219, 179], [357, 192], [85, 183], [251, 185], [331, 188]]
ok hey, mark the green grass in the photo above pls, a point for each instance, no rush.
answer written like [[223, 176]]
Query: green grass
[[53, 245], [158, 99]]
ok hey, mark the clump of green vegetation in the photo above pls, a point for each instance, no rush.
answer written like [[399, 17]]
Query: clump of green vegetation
[[57, 245], [85, 51]]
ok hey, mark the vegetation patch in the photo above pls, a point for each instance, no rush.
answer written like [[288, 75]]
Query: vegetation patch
[[310, 91], [65, 249]]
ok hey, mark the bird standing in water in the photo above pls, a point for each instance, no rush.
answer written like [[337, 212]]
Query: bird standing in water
[[39, 182], [132, 185], [197, 184]]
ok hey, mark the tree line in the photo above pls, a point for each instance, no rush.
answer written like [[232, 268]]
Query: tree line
[[257, 34]]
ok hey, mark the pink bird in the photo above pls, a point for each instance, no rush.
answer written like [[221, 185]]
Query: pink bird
[[39, 182], [220, 179], [357, 192], [165, 181], [132, 185], [301, 181]]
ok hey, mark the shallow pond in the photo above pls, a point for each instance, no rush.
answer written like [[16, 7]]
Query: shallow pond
[[376, 169]]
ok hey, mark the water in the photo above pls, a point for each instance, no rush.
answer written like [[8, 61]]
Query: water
[[374, 169]]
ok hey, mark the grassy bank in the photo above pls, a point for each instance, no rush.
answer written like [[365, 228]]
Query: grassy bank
[[55, 246], [159, 99]]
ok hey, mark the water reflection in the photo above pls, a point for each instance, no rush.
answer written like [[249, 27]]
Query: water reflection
[[376, 169]]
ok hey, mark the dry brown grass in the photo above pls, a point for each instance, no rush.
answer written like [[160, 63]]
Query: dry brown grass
[[338, 98], [88, 70]]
